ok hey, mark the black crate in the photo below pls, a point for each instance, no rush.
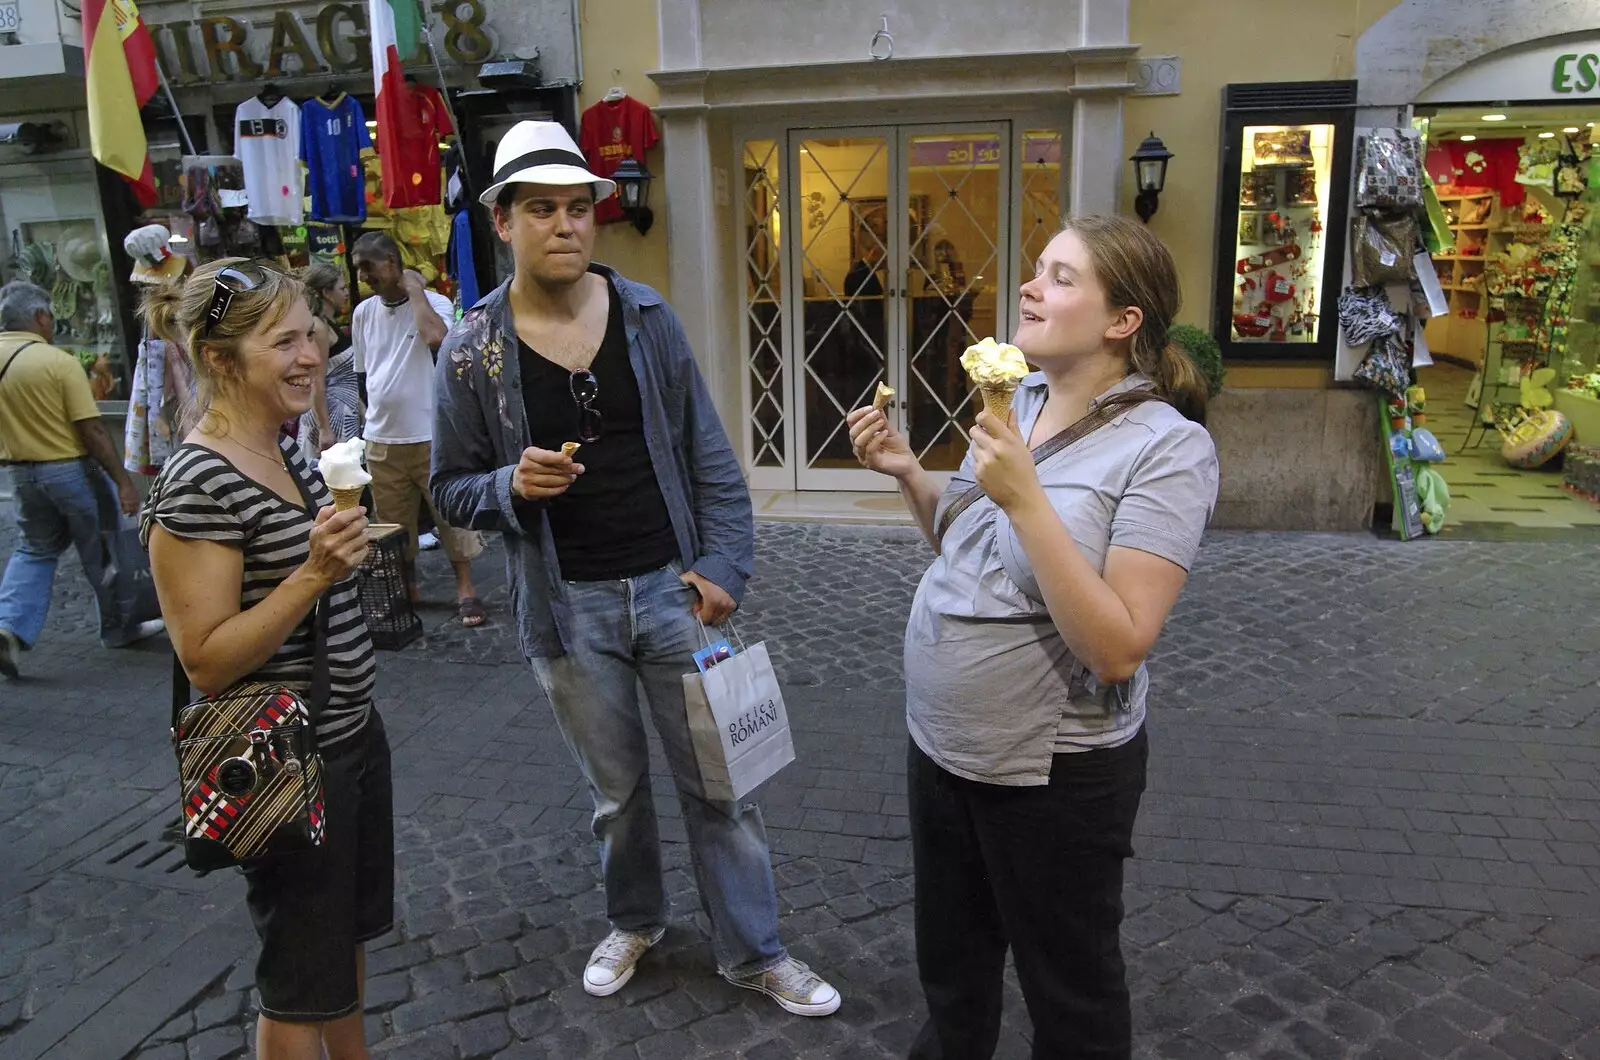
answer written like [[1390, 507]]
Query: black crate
[[385, 600]]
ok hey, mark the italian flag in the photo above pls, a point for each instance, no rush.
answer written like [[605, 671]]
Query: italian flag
[[121, 62], [396, 27]]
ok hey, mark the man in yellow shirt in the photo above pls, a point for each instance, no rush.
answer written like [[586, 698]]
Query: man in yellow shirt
[[51, 437]]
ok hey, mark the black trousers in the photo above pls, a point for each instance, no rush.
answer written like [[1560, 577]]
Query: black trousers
[[1038, 869]]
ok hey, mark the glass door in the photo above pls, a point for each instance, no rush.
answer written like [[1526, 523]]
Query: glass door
[[901, 258], [958, 278], [847, 229]]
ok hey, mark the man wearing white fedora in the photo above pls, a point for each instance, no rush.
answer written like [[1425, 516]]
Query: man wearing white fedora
[[616, 554]]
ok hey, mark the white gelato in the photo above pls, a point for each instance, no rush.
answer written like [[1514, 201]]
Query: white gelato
[[994, 364], [341, 465]]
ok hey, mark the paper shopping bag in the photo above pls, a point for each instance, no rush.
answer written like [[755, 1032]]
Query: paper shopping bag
[[126, 573], [738, 724]]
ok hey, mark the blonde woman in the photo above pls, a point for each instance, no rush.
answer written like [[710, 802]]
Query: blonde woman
[[240, 563], [1026, 689]]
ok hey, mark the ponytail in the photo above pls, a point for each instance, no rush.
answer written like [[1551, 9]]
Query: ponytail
[[1178, 379]]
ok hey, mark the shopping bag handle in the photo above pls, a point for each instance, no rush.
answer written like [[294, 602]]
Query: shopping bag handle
[[705, 638]]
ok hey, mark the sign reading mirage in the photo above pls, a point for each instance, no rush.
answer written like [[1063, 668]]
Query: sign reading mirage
[[235, 50]]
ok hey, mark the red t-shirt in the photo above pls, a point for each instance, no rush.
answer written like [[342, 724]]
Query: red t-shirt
[[413, 127], [609, 133]]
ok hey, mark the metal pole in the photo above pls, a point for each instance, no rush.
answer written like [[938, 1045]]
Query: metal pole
[[176, 113], [444, 93]]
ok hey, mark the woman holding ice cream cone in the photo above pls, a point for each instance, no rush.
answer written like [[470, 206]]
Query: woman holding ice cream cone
[[241, 563], [1063, 543]]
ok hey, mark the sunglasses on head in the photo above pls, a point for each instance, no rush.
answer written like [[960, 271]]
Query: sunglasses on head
[[229, 282], [585, 388]]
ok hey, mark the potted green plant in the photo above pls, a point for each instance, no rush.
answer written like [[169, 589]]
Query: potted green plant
[[1203, 350]]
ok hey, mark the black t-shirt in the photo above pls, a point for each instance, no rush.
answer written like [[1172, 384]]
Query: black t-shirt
[[612, 522]]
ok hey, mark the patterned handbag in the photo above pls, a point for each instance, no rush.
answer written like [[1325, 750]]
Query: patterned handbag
[[249, 776]]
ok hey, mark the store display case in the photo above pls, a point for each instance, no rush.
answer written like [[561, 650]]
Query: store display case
[[1284, 204]]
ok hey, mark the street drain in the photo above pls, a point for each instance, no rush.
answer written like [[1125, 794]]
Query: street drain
[[153, 858]]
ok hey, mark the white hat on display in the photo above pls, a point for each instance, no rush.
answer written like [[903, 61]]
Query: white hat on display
[[542, 152], [153, 259]]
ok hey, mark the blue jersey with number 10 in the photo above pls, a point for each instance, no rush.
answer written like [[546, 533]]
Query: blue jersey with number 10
[[331, 139]]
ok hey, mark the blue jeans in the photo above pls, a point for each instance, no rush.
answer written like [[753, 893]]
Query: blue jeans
[[641, 632], [59, 504]]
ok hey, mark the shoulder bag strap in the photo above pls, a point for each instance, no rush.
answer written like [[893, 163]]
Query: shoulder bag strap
[[1103, 414], [14, 355], [321, 682]]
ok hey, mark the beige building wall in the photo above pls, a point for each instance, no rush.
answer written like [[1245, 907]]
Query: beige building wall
[[620, 46], [1228, 43]]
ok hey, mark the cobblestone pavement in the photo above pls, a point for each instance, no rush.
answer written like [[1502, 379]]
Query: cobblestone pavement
[[1370, 829]]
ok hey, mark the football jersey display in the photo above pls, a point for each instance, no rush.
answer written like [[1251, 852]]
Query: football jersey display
[[331, 138], [267, 141], [609, 133], [408, 144]]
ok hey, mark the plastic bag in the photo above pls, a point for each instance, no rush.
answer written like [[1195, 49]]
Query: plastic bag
[[1387, 367], [1365, 315], [1426, 447], [1384, 246], [1389, 173]]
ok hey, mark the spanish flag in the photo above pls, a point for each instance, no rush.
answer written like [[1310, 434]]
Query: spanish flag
[[121, 61]]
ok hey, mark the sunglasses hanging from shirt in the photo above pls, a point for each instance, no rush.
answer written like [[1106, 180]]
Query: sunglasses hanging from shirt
[[585, 388]]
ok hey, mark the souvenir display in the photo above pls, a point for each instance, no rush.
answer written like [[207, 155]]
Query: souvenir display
[[1283, 147], [1284, 180], [267, 142], [333, 134], [617, 128]]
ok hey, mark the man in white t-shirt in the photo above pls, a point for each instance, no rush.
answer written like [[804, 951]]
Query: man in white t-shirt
[[395, 335]]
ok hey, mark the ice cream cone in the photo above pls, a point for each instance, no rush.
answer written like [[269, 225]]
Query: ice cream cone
[[344, 499], [997, 400], [881, 397], [568, 448]]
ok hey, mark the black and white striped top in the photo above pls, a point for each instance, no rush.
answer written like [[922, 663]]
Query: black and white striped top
[[201, 495]]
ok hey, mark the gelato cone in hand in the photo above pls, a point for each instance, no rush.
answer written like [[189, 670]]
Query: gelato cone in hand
[[995, 368], [341, 469], [568, 448], [881, 398]]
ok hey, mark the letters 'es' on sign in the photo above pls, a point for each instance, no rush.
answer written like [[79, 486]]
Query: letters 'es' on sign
[[232, 51], [1576, 73]]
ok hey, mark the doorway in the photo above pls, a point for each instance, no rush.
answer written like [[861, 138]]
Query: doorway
[[879, 254]]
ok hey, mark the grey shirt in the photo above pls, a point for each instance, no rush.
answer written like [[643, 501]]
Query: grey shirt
[[992, 691]]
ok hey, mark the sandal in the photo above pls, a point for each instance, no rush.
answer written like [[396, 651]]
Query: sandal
[[472, 613]]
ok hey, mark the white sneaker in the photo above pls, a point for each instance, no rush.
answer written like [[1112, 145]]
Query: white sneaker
[[143, 631], [612, 963], [795, 987], [428, 542]]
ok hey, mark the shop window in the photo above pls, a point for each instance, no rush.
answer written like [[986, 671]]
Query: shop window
[[1281, 218], [68, 257], [763, 301]]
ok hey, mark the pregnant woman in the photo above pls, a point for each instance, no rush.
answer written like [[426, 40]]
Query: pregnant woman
[[1026, 689]]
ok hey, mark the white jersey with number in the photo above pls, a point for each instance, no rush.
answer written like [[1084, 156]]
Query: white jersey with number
[[267, 140]]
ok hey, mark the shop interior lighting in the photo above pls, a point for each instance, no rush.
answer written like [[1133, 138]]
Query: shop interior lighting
[[1467, 138], [1494, 117], [1570, 129], [1547, 136]]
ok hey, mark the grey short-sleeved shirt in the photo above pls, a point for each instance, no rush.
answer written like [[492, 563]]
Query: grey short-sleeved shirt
[[992, 691]]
